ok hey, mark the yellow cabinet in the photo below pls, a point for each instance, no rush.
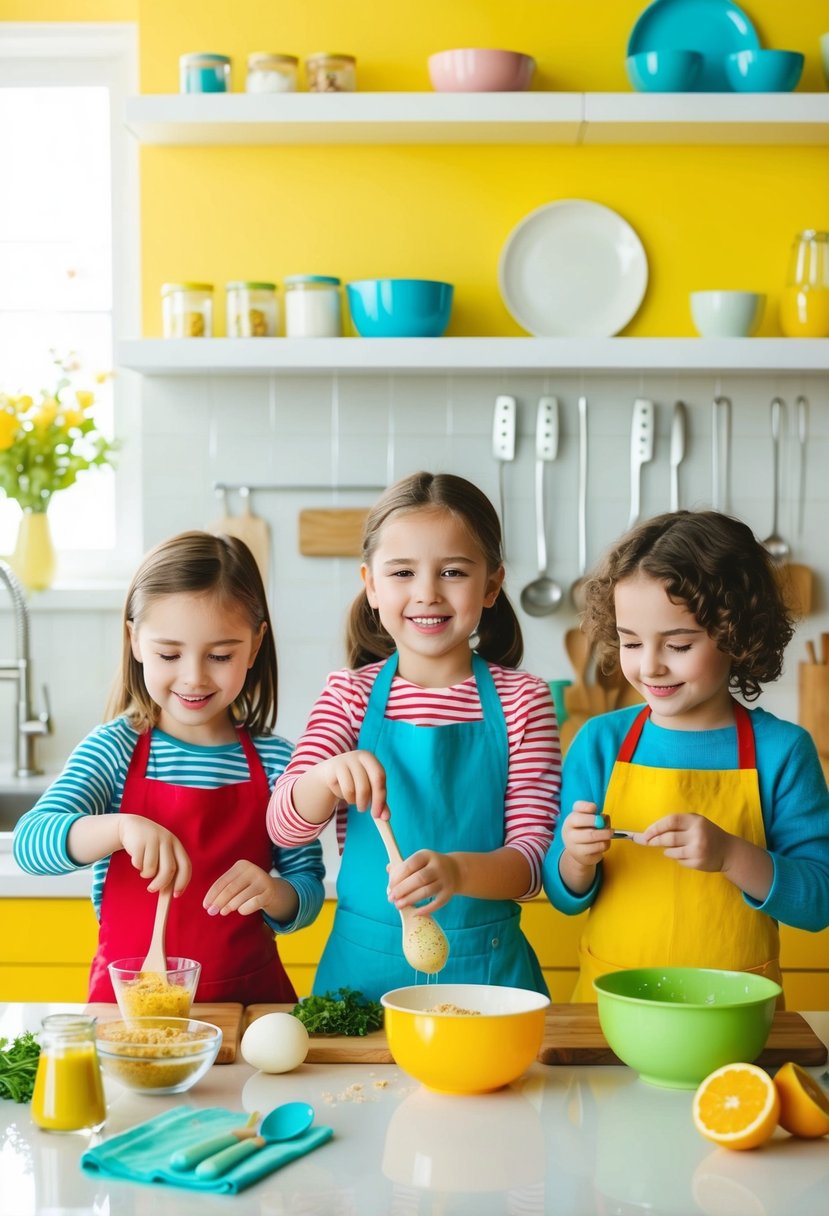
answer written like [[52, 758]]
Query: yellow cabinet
[[47, 946]]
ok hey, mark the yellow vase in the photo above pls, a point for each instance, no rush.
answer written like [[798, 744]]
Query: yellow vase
[[33, 560], [804, 312]]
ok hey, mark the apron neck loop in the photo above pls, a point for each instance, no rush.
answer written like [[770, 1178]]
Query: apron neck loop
[[746, 751]]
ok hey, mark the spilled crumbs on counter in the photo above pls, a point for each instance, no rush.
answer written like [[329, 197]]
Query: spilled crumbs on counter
[[358, 1092]]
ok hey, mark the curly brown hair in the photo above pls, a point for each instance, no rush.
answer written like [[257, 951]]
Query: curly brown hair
[[714, 565], [499, 633]]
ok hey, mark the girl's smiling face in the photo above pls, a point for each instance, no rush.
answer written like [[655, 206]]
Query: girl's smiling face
[[195, 652], [668, 658], [429, 582]]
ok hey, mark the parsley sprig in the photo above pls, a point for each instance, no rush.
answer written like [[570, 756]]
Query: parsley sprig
[[18, 1065], [343, 1011]]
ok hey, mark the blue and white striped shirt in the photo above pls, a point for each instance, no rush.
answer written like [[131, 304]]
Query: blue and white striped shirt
[[92, 783]]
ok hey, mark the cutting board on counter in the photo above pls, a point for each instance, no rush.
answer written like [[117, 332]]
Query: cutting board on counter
[[572, 1036], [227, 1016]]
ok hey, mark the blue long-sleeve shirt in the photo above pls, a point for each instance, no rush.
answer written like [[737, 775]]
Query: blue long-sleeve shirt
[[793, 796], [92, 783]]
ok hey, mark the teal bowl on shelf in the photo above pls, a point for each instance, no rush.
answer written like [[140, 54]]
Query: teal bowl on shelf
[[764, 71], [675, 1025], [400, 308], [664, 71]]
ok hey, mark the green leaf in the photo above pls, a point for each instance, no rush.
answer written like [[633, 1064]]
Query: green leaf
[[343, 1011], [18, 1065]]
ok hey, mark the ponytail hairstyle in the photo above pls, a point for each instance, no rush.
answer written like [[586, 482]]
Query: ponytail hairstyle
[[715, 566], [200, 563], [499, 633]]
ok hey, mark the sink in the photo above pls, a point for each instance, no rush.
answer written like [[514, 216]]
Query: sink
[[13, 804]]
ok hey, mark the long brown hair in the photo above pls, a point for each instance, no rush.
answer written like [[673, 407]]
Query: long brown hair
[[198, 562], [499, 633], [714, 565]]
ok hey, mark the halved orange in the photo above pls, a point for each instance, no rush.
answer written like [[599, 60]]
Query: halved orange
[[737, 1106], [804, 1105]]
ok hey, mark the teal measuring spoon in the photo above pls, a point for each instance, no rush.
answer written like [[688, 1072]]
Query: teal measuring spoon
[[284, 1122]]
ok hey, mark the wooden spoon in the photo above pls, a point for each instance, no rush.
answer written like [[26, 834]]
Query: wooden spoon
[[577, 645], [156, 959], [425, 946], [611, 683]]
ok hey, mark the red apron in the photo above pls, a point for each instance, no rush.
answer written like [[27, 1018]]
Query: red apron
[[217, 827]]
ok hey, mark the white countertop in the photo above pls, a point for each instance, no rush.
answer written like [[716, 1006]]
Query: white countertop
[[560, 1141]]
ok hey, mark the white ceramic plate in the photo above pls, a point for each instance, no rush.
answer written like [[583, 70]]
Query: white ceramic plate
[[573, 269]]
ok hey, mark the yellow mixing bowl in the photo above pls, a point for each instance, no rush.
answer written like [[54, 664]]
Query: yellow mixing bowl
[[492, 1040]]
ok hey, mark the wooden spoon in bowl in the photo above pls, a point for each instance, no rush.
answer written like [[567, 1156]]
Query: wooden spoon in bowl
[[156, 959], [425, 946]]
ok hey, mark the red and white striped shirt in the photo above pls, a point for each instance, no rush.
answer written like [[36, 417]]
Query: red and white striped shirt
[[534, 775]]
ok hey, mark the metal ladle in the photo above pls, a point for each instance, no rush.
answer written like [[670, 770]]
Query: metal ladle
[[543, 595], [774, 543], [577, 589]]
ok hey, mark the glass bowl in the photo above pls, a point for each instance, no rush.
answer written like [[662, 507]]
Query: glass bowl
[[167, 993], [157, 1055]]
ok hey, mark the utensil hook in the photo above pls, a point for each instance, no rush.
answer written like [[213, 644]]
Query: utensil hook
[[777, 407]]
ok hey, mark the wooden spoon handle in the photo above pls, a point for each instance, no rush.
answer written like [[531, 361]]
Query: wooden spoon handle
[[156, 959], [387, 836]]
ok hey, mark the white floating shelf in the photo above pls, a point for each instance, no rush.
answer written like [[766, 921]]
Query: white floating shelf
[[479, 118], [322, 356]]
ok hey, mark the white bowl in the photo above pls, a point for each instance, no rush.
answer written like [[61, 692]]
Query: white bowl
[[726, 314]]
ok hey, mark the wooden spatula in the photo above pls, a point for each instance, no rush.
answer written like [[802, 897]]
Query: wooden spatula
[[156, 959]]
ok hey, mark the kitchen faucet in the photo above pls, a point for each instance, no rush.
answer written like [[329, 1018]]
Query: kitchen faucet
[[28, 727]]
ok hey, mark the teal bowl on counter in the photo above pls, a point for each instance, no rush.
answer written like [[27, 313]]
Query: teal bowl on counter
[[764, 71], [675, 1025], [400, 308], [664, 71]]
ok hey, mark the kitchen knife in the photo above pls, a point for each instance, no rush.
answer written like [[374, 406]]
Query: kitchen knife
[[677, 450], [641, 451]]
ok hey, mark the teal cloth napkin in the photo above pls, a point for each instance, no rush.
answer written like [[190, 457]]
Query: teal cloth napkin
[[143, 1153]]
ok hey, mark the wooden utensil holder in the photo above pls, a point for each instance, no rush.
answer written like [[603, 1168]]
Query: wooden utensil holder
[[813, 703]]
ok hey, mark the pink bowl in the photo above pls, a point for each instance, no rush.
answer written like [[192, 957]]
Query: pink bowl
[[480, 71]]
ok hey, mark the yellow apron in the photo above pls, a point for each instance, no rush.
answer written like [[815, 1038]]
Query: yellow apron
[[650, 910]]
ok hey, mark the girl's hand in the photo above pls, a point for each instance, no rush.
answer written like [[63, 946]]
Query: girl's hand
[[155, 852], [586, 843], [356, 778], [424, 875], [246, 888], [692, 840]]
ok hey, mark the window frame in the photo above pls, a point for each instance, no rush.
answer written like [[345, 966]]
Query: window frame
[[104, 54]]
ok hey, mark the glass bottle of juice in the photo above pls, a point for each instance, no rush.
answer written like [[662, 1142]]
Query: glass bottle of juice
[[68, 1094], [804, 304]]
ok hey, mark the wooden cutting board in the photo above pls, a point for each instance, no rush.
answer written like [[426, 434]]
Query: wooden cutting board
[[332, 531], [572, 1036], [227, 1016]]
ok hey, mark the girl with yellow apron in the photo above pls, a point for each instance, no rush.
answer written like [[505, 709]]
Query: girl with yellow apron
[[651, 910]]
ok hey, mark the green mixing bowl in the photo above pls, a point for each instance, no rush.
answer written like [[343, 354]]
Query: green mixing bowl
[[675, 1025]]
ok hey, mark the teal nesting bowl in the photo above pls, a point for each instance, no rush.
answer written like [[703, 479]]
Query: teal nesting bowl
[[675, 1025], [664, 71], [764, 71], [400, 308]]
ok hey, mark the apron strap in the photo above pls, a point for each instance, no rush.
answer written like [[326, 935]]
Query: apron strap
[[746, 750]]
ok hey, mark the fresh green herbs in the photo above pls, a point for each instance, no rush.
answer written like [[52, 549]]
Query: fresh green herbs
[[341, 1012], [18, 1065]]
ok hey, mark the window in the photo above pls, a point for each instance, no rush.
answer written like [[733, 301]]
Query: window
[[68, 260]]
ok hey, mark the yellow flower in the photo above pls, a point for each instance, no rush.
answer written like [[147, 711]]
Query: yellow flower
[[72, 418], [45, 416], [8, 430], [84, 398], [23, 403]]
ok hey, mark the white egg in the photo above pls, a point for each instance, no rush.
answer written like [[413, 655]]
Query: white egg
[[276, 1042]]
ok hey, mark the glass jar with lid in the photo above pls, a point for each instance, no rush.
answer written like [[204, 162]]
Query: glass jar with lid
[[312, 306], [269, 73], [68, 1092], [204, 72], [187, 310], [331, 73], [804, 304], [251, 309]]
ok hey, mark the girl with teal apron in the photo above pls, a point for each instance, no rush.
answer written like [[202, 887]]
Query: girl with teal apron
[[446, 791]]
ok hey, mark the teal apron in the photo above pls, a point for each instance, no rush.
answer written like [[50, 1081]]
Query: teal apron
[[446, 791]]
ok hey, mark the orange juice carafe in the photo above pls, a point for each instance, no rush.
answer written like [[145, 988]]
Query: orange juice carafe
[[804, 304], [68, 1094]]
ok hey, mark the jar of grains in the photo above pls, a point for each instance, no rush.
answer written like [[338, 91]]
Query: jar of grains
[[269, 73], [204, 72], [187, 310], [329, 73], [252, 310], [312, 306]]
